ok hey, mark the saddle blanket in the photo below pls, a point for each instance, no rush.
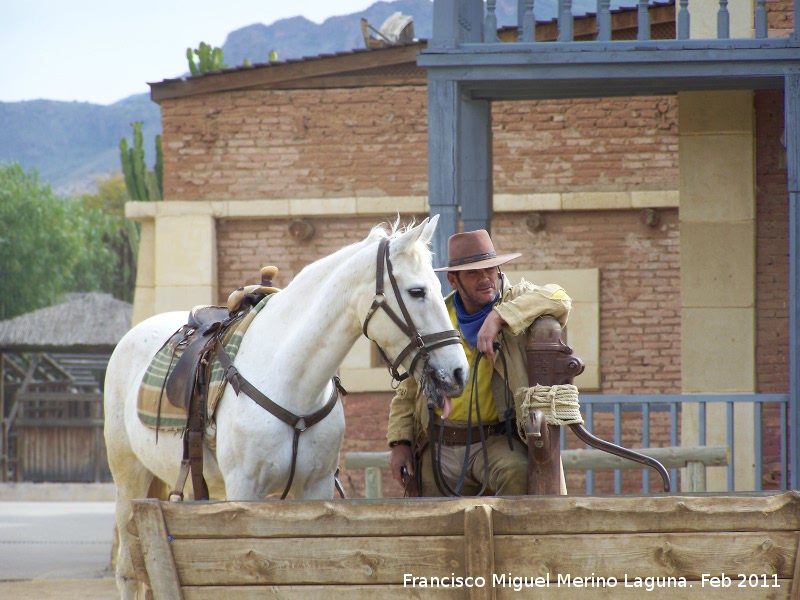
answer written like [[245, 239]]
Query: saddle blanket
[[152, 393]]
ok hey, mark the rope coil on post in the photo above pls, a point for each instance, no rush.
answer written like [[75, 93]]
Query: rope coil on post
[[558, 403]]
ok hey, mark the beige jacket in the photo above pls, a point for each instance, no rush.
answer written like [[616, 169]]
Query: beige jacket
[[519, 306]]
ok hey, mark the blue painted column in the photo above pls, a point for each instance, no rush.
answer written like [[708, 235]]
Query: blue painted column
[[475, 164], [443, 109], [792, 130], [459, 162]]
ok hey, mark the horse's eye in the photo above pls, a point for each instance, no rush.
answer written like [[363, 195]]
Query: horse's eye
[[417, 292]]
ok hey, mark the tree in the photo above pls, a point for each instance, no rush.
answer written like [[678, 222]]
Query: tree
[[108, 262], [52, 246], [39, 243]]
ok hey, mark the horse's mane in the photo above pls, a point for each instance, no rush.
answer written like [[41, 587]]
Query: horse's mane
[[325, 265]]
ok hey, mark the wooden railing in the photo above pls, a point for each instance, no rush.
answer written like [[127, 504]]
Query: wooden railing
[[476, 25], [694, 458]]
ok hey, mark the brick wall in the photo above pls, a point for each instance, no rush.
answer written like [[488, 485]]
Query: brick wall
[[585, 145], [300, 144], [780, 17], [330, 143], [373, 142], [772, 278]]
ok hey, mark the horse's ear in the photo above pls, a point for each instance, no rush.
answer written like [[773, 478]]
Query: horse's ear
[[429, 226], [408, 238]]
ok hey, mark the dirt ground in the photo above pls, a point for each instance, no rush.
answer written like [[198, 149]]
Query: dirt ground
[[104, 588]]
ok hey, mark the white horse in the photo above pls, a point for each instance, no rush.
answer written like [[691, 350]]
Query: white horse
[[290, 353]]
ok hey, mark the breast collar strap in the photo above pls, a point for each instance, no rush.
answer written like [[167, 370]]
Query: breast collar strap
[[298, 422], [423, 344]]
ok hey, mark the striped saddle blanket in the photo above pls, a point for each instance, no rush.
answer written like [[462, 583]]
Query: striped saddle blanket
[[153, 406]]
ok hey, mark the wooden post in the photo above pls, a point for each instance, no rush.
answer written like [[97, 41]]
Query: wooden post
[[158, 558], [479, 549], [550, 362], [373, 483]]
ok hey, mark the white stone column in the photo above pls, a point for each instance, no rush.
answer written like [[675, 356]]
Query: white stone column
[[718, 254]]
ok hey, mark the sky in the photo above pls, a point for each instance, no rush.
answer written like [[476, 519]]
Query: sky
[[102, 51]]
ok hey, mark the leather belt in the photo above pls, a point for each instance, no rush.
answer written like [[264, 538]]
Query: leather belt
[[456, 436]]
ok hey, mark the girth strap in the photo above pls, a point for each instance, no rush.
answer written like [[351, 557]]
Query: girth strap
[[298, 422]]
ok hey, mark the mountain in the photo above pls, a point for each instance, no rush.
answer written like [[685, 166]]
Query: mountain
[[71, 144]]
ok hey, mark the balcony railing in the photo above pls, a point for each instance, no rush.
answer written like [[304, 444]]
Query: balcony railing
[[477, 22], [527, 22]]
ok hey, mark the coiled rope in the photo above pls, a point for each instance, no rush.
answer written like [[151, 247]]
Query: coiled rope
[[558, 403]]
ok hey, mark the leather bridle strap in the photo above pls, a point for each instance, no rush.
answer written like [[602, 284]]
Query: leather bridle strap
[[298, 422], [423, 344]]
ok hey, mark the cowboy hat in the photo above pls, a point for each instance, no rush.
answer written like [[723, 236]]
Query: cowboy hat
[[473, 250]]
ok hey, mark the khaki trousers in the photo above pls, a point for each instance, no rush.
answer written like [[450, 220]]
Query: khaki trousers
[[508, 471]]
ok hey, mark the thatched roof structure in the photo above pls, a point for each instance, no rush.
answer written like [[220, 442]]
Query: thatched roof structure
[[87, 323]]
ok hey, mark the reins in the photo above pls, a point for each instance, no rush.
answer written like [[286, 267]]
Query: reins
[[436, 453], [423, 344]]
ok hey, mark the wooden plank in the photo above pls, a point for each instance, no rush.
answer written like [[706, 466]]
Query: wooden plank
[[59, 397], [336, 518], [343, 561], [137, 557], [442, 516], [158, 558], [640, 514], [796, 578], [271, 74], [695, 476], [315, 592], [672, 457], [658, 593], [688, 555], [479, 549]]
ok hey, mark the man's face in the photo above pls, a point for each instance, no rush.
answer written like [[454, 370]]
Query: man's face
[[477, 287]]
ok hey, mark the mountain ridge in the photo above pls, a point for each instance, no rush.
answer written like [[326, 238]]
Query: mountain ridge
[[72, 144]]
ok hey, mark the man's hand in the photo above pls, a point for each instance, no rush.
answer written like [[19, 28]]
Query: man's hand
[[400, 459], [488, 332]]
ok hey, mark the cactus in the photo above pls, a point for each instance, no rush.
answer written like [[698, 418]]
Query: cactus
[[159, 167], [141, 183], [208, 59], [192, 67]]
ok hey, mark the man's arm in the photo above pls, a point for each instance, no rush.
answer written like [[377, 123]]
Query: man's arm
[[526, 302], [400, 433]]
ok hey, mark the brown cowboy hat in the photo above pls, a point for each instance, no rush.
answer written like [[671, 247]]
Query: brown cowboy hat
[[473, 250]]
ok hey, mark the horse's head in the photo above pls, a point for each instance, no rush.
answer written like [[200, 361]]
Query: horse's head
[[408, 320]]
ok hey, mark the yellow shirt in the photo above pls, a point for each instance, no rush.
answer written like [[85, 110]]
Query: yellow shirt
[[460, 410]]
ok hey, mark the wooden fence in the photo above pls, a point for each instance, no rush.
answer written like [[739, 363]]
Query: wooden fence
[[52, 423], [662, 547], [694, 458]]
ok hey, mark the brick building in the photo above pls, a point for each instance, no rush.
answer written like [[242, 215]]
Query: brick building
[[286, 162]]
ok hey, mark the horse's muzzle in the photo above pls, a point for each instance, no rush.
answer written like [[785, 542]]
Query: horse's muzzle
[[443, 382]]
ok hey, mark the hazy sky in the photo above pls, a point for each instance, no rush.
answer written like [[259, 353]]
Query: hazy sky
[[104, 50]]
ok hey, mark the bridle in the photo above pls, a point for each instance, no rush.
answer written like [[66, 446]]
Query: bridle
[[423, 344]]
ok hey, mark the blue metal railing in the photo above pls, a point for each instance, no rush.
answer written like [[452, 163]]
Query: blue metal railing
[[564, 16], [646, 405]]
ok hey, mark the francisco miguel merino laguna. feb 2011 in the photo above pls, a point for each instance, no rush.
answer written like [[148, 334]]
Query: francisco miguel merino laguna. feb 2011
[[508, 580]]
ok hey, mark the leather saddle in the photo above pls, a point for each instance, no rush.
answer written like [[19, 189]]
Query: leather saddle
[[187, 383], [206, 323]]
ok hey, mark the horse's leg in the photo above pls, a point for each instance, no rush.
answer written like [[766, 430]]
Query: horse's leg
[[131, 480], [321, 489]]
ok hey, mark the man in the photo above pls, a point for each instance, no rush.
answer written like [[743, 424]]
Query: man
[[472, 446]]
